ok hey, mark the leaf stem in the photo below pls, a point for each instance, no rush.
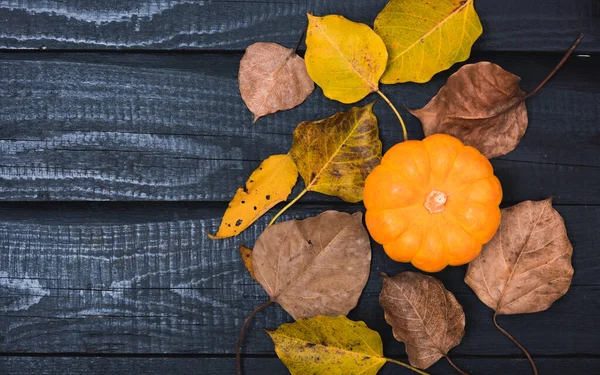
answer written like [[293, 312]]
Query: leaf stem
[[455, 366], [396, 112], [535, 370], [300, 38], [407, 366], [560, 64], [238, 346], [274, 219]]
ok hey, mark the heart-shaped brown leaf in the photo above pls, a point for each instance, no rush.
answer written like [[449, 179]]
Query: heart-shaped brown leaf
[[527, 265], [315, 266], [273, 78], [425, 316], [482, 105]]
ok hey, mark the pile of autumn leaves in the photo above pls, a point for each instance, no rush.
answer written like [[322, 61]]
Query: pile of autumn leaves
[[481, 104]]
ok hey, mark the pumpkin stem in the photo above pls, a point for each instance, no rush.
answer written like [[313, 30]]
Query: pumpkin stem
[[435, 202], [396, 112]]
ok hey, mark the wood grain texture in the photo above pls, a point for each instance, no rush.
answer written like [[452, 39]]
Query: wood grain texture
[[174, 127], [213, 366], [225, 24], [127, 278]]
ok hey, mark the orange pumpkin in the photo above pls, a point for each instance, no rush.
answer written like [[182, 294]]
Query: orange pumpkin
[[433, 202]]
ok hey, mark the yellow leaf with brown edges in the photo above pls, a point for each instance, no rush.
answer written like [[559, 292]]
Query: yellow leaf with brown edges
[[268, 185], [326, 345], [246, 254], [345, 58], [335, 155], [426, 37]]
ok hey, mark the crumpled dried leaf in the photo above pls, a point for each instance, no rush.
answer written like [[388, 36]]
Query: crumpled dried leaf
[[527, 265], [345, 58], [335, 155], [315, 266], [425, 316], [246, 254], [482, 105], [328, 345], [273, 78], [268, 185], [424, 38]]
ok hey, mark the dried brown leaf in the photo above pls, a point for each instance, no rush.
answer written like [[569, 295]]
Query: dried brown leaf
[[425, 316], [482, 105], [527, 265], [315, 266], [246, 254], [273, 78]]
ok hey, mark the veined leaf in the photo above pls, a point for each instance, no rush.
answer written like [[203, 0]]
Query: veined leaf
[[268, 185], [326, 345], [334, 156], [424, 38], [345, 58], [315, 266]]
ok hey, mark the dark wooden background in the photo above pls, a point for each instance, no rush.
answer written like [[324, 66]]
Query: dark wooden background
[[123, 136]]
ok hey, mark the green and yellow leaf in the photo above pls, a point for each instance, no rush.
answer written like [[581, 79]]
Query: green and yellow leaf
[[268, 185], [345, 58], [424, 38], [335, 155], [326, 345]]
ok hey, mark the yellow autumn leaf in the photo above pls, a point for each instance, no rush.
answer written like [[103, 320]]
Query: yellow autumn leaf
[[326, 345], [268, 185], [424, 38], [345, 58], [335, 155]]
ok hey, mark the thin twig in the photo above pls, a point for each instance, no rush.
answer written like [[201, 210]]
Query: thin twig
[[455, 366], [560, 64], [396, 112], [407, 366], [535, 370], [274, 219], [238, 347], [300, 39]]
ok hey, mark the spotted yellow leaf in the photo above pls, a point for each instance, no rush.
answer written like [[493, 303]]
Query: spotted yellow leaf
[[335, 155], [426, 37], [346, 59], [270, 184], [326, 345]]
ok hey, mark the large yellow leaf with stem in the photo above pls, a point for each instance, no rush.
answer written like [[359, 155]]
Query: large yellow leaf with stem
[[346, 59], [426, 37], [268, 185]]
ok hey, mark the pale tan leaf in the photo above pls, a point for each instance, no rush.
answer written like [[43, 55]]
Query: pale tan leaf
[[425, 316], [273, 78], [315, 266], [527, 265]]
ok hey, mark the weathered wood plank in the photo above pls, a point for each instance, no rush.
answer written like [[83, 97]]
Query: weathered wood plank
[[213, 366], [211, 24], [173, 127], [95, 279]]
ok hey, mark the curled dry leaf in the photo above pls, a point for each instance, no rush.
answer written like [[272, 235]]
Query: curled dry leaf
[[328, 345], [424, 38], [273, 78], [315, 266], [246, 254], [335, 155], [425, 316], [482, 105], [268, 185], [527, 265], [345, 58]]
